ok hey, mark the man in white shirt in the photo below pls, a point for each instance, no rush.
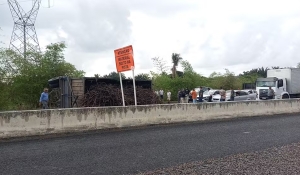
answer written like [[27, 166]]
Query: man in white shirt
[[161, 93], [223, 94], [169, 96]]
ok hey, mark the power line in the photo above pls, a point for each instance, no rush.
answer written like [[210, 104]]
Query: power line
[[49, 4], [19, 2]]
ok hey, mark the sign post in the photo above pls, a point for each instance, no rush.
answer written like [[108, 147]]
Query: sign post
[[134, 88], [125, 62], [122, 88]]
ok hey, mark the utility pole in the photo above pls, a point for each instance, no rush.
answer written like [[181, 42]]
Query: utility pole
[[24, 38]]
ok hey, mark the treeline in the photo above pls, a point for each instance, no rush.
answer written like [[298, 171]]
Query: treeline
[[22, 80], [190, 79], [167, 77]]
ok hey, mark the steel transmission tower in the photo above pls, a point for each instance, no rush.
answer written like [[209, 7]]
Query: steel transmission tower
[[24, 38]]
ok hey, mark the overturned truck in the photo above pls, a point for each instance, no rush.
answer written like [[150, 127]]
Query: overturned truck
[[66, 92]]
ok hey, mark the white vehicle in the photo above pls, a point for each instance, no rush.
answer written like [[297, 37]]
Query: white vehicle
[[239, 95], [205, 96], [284, 82], [216, 96], [252, 91]]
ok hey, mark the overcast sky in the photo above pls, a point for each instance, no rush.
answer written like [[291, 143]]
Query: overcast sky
[[211, 34]]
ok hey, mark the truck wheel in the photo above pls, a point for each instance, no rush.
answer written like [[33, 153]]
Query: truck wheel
[[285, 96]]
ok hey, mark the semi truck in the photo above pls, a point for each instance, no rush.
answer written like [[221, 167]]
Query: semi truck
[[284, 82]]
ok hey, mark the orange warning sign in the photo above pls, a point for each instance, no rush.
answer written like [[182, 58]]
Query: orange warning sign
[[124, 58]]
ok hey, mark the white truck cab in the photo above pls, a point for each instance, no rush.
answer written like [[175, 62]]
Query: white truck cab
[[278, 85], [284, 82]]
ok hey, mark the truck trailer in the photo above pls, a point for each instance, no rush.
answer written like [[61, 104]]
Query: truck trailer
[[284, 82], [67, 92]]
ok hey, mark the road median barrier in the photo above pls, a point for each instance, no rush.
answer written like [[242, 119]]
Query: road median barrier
[[55, 121]]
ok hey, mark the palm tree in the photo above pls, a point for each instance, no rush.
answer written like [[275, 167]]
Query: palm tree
[[175, 60]]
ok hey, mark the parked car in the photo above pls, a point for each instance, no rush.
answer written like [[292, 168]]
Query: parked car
[[242, 95], [252, 91], [239, 95], [206, 95], [216, 96]]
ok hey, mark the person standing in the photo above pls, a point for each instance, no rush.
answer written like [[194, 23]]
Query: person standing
[[161, 94], [169, 96], [223, 94], [271, 93], [182, 98], [194, 96], [232, 95], [201, 94], [179, 95], [44, 99], [210, 92], [187, 95]]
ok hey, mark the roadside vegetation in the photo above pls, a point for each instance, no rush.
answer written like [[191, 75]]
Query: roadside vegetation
[[22, 80]]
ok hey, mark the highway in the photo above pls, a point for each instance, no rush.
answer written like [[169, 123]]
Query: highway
[[145, 149]]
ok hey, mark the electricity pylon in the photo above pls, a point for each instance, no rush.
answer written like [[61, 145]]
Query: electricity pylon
[[24, 38]]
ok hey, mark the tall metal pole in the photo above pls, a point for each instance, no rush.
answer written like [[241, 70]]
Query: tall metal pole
[[24, 31]]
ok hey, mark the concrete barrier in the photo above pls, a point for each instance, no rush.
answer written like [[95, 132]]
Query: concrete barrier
[[40, 122]]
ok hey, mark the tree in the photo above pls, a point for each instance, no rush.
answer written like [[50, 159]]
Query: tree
[[189, 79], [160, 65], [142, 77], [215, 74], [261, 72], [229, 80], [115, 75], [187, 67], [175, 60], [28, 77]]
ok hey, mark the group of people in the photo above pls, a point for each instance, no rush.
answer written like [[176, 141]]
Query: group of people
[[184, 95], [160, 93], [210, 92]]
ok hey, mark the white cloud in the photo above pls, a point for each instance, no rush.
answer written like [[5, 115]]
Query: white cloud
[[211, 34]]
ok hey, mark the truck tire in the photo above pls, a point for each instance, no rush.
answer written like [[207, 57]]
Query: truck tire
[[285, 96]]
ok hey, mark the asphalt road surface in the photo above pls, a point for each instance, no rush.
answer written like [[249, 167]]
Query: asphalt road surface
[[139, 150]]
